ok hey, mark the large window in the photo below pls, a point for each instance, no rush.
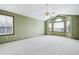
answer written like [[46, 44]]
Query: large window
[[6, 24], [58, 25]]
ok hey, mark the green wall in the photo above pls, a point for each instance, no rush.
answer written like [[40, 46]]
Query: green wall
[[75, 27], [25, 27]]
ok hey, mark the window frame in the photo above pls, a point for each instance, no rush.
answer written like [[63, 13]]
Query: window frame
[[12, 23]]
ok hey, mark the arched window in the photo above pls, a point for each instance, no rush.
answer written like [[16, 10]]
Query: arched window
[[58, 20]]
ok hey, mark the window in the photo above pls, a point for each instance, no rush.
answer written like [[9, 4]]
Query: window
[[59, 20], [68, 26], [49, 27], [58, 25], [6, 25]]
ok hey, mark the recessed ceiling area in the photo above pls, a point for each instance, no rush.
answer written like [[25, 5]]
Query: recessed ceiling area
[[37, 10]]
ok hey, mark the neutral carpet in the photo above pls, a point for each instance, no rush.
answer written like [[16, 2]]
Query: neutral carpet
[[42, 45]]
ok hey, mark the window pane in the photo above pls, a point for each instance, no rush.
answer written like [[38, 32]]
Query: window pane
[[6, 25], [9, 24], [68, 26], [49, 26], [59, 20], [59, 27], [3, 29]]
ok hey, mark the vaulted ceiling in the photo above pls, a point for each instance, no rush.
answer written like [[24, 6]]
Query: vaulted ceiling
[[37, 10]]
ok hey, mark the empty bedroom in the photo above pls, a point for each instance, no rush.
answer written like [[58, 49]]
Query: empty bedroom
[[39, 29]]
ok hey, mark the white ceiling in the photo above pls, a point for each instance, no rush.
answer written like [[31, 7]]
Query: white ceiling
[[37, 10]]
